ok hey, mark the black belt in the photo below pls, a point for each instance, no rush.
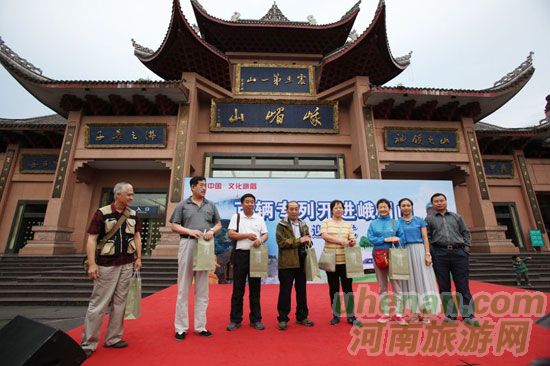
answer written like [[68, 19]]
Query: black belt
[[450, 246], [186, 237]]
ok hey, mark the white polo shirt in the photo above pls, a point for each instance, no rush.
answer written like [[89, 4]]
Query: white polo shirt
[[254, 224]]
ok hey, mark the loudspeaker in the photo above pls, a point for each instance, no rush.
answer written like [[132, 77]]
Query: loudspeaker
[[26, 342]]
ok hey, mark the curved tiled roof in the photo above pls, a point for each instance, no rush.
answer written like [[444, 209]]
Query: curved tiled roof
[[480, 103], [101, 96], [183, 50], [266, 34], [369, 55], [41, 122]]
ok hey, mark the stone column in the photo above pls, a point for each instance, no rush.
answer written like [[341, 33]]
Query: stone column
[[6, 173], [487, 235], [362, 127], [54, 237], [168, 244], [534, 218]]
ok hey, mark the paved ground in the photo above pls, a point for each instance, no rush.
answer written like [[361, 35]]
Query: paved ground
[[60, 317]]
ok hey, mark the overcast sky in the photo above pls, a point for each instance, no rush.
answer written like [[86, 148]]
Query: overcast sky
[[466, 44]]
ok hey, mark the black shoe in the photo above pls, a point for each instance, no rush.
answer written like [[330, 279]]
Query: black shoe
[[306, 322], [283, 326], [233, 326], [353, 321], [471, 322], [180, 336], [205, 333], [119, 344], [88, 352], [258, 325], [335, 320], [450, 319]]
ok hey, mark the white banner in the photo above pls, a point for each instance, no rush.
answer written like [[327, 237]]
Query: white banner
[[314, 195]]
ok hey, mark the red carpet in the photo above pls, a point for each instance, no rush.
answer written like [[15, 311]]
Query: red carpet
[[151, 338]]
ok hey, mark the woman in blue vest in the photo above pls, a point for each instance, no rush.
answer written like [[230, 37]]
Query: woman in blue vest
[[383, 233]]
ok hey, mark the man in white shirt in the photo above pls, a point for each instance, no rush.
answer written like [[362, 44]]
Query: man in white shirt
[[248, 229]]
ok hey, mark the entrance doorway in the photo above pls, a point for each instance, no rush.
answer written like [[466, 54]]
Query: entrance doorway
[[27, 215], [544, 203], [507, 215]]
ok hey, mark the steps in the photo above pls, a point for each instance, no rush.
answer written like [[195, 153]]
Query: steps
[[60, 280], [497, 268]]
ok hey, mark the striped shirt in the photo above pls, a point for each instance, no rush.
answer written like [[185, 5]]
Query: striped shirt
[[339, 229]]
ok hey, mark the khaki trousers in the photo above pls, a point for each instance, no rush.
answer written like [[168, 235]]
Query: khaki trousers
[[110, 288], [185, 279], [398, 286]]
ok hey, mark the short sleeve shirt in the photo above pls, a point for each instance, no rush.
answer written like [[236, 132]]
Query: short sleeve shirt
[[413, 229], [191, 216], [254, 224], [340, 229]]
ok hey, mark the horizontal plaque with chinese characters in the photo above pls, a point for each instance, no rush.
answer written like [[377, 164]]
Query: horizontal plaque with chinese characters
[[38, 163], [274, 116], [120, 136], [421, 139], [259, 79], [498, 168]]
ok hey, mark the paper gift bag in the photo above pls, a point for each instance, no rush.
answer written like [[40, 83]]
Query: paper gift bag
[[399, 264], [204, 257], [258, 261], [133, 302], [311, 265], [354, 262], [327, 261]]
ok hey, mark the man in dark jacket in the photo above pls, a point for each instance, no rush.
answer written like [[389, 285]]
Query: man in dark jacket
[[450, 246], [292, 236]]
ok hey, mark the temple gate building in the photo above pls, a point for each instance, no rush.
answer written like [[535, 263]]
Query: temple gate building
[[269, 98]]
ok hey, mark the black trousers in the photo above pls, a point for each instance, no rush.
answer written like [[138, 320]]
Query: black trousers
[[334, 280], [241, 272], [520, 275], [455, 262], [287, 277]]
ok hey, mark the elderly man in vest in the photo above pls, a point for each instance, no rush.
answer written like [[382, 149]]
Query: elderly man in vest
[[114, 252]]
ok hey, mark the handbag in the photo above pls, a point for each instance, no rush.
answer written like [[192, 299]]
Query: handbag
[[230, 265], [311, 265], [327, 261], [204, 256], [133, 301], [381, 258], [354, 262], [109, 235], [259, 262], [399, 264]]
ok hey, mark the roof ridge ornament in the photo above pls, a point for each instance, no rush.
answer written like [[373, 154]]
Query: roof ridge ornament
[[236, 16], [311, 20], [405, 59], [141, 50], [353, 9], [353, 36], [528, 63], [9, 53], [274, 15]]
